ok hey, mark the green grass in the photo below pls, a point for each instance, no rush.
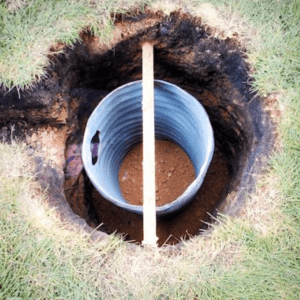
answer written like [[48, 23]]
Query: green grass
[[26, 34], [255, 256], [42, 262]]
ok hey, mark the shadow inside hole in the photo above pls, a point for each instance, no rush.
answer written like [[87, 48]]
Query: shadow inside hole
[[95, 143]]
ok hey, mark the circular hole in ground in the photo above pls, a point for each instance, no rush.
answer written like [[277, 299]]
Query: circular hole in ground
[[215, 73], [186, 54]]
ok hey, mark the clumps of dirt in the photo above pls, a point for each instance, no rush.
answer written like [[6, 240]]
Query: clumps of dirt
[[50, 142], [174, 172]]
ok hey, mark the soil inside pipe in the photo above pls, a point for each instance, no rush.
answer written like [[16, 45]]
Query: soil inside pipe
[[174, 172]]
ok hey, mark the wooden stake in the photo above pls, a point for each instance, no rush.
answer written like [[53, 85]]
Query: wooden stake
[[149, 209]]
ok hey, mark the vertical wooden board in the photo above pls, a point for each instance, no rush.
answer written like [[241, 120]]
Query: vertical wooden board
[[149, 207]]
